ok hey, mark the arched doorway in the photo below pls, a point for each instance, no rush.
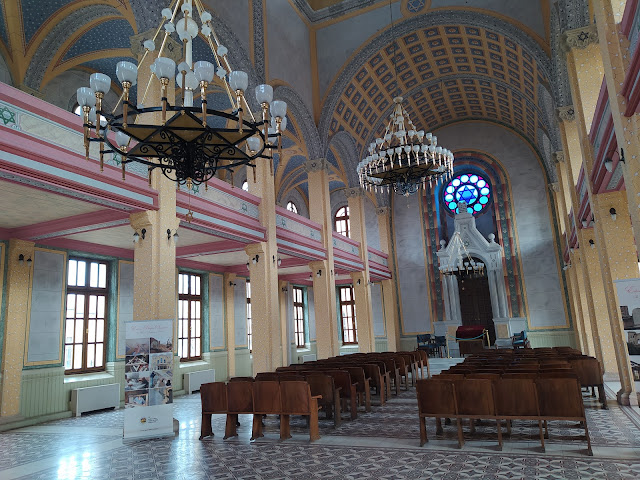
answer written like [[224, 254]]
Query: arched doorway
[[475, 302]]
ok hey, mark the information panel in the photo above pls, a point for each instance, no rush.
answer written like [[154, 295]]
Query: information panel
[[148, 391]]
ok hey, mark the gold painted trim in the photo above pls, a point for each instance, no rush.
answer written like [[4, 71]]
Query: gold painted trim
[[62, 309], [211, 346], [120, 262]]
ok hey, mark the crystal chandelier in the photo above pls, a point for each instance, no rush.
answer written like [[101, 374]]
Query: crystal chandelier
[[404, 158], [462, 264], [183, 143]]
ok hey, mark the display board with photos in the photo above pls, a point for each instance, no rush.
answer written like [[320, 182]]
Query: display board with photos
[[148, 391]]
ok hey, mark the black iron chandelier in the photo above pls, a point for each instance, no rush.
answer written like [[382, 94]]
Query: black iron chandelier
[[184, 144]]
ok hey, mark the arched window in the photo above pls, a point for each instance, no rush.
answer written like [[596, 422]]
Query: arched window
[[245, 186], [292, 207], [470, 188], [341, 221]]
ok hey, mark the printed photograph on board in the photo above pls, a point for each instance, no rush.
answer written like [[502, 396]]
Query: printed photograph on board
[[136, 398], [160, 396], [137, 346], [136, 380], [161, 378], [161, 346], [136, 363], [161, 361]]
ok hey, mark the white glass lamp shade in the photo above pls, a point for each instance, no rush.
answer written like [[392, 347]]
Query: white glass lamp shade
[[183, 67], [254, 143], [238, 80], [264, 93], [186, 8], [188, 31], [100, 82], [283, 123], [92, 117], [86, 97], [279, 108], [127, 72], [164, 67], [166, 13], [190, 80], [205, 17], [204, 71], [122, 139], [149, 45]]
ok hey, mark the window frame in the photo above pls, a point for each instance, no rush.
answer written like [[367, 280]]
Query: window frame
[[350, 305], [298, 320], [190, 297], [343, 221], [87, 291]]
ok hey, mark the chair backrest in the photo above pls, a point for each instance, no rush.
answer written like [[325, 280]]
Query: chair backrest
[[291, 376], [423, 339], [441, 341], [557, 374], [532, 375], [436, 397], [321, 384], [357, 376], [241, 379], [296, 397], [266, 397], [588, 371], [488, 376], [560, 398], [474, 396], [240, 396], [214, 397], [262, 376], [450, 376], [516, 397], [372, 371]]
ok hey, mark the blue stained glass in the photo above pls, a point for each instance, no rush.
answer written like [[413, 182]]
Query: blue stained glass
[[470, 188]]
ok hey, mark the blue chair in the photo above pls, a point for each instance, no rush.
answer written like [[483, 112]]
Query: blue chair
[[424, 342], [519, 340]]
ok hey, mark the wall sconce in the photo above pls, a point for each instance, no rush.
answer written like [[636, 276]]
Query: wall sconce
[[137, 236], [358, 282], [612, 211], [319, 273], [255, 259], [332, 273], [585, 223], [592, 244], [175, 235], [285, 289], [21, 260], [279, 260], [567, 266], [232, 284], [608, 164], [247, 265]]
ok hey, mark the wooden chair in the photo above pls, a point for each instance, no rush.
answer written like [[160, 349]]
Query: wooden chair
[[475, 400], [214, 401], [322, 385], [361, 380], [271, 376], [297, 400], [393, 370], [348, 393], [561, 399], [266, 401], [517, 399], [590, 375], [239, 400], [437, 399], [376, 379]]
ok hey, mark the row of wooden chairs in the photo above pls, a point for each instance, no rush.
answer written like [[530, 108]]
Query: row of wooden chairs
[[508, 399], [266, 397]]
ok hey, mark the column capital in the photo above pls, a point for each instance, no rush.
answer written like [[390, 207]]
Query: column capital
[[580, 37], [554, 187], [318, 265], [354, 192], [140, 220], [254, 249], [316, 165], [359, 275], [558, 156], [172, 48], [566, 114]]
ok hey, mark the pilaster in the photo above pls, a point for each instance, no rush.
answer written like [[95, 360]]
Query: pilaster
[[16, 312], [582, 306], [392, 326], [230, 322]]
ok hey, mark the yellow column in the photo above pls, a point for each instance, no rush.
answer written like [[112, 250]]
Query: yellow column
[[16, 311], [154, 286], [618, 261], [266, 328], [614, 49], [362, 290], [576, 310], [582, 293], [230, 321], [324, 286], [392, 327]]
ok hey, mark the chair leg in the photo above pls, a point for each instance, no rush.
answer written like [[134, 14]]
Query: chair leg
[[603, 396], [460, 434], [285, 427], [314, 431], [586, 434], [472, 426], [423, 431], [593, 391], [205, 426], [499, 425], [509, 427], [439, 430], [337, 411], [546, 430], [256, 432], [230, 429], [541, 435]]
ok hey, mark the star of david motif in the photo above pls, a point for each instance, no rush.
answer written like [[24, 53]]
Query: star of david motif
[[583, 36], [468, 193], [7, 116], [414, 6]]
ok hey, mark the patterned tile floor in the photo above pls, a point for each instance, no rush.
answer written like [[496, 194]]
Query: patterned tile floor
[[381, 444]]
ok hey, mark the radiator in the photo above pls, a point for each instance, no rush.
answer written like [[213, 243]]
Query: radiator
[[310, 357], [87, 399], [193, 380]]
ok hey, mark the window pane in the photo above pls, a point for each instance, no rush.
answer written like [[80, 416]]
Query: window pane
[[91, 356], [91, 337], [82, 274], [71, 305], [102, 276], [72, 274], [68, 331], [78, 333], [100, 331], [197, 291], [99, 355], [80, 306], [68, 356], [93, 306], [77, 357], [101, 304], [93, 275]]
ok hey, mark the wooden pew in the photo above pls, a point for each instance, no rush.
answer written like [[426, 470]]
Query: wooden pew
[[214, 401], [376, 379], [239, 400], [363, 391], [266, 401], [590, 375], [297, 400], [437, 399], [322, 385], [475, 399], [517, 399]]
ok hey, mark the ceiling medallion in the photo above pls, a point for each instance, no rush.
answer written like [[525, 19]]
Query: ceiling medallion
[[181, 139]]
